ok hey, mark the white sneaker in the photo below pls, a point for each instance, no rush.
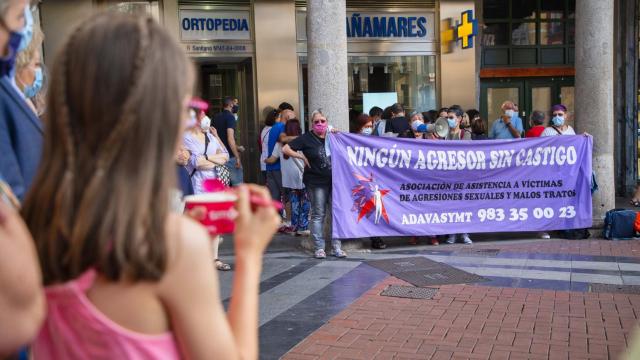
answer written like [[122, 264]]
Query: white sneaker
[[451, 239], [320, 254], [303, 233], [466, 239], [545, 235], [339, 253]]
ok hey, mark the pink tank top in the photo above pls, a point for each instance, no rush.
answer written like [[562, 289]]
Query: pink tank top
[[75, 329]]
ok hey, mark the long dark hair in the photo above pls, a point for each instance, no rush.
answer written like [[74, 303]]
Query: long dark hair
[[101, 197], [292, 128]]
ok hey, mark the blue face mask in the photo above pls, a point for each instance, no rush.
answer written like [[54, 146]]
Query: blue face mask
[[27, 31], [33, 89], [557, 121], [367, 131], [452, 123]]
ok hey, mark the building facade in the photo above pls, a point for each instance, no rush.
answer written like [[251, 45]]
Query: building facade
[[422, 53]]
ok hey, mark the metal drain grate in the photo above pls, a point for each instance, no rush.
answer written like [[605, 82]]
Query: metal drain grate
[[420, 271], [409, 292], [619, 289]]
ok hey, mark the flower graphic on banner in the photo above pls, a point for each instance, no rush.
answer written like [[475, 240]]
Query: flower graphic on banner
[[368, 197]]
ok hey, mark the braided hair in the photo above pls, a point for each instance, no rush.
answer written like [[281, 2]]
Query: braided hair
[[101, 197]]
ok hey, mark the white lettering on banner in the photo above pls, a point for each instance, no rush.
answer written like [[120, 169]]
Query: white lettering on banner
[[436, 218], [457, 160], [214, 25]]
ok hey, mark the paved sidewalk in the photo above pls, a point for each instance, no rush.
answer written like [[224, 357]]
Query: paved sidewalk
[[540, 301], [477, 322]]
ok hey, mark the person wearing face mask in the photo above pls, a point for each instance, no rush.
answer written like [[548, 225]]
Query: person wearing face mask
[[558, 123], [509, 125], [29, 76], [22, 301], [225, 124], [21, 132], [207, 152], [363, 125], [454, 117], [317, 179]]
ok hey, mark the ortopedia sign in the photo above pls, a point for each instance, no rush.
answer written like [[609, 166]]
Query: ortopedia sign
[[405, 26], [214, 25]]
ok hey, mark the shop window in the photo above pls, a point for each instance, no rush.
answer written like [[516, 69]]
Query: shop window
[[412, 78], [528, 32]]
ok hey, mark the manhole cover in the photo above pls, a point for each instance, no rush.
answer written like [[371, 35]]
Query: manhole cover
[[478, 252], [409, 292], [423, 272], [611, 288]]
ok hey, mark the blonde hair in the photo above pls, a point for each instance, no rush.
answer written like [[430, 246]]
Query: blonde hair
[[26, 56], [314, 114]]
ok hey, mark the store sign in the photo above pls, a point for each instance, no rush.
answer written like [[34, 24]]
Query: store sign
[[406, 26], [464, 31], [214, 25]]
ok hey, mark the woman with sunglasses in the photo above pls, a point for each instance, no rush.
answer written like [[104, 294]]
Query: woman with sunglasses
[[558, 122], [317, 179]]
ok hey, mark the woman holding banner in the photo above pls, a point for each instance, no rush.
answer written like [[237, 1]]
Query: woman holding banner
[[454, 117], [317, 179], [364, 126], [558, 122]]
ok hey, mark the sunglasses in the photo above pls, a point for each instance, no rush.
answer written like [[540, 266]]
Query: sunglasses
[[451, 118]]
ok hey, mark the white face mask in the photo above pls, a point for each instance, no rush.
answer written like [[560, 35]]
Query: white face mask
[[205, 123], [415, 124], [193, 120], [509, 112]]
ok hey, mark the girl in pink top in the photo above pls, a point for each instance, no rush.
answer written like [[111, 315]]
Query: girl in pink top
[[124, 278]]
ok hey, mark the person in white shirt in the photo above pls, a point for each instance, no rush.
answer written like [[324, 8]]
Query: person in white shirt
[[558, 122], [292, 170], [263, 141]]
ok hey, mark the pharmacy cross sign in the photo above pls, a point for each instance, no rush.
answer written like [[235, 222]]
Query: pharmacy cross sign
[[466, 30]]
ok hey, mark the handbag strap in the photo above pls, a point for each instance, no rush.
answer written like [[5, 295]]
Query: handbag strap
[[206, 146], [556, 129]]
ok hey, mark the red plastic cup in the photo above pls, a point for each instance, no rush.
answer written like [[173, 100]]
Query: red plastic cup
[[220, 211]]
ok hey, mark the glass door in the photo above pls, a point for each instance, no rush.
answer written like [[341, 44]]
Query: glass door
[[234, 77]]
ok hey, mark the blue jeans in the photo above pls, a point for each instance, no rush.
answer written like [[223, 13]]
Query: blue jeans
[[299, 208], [320, 197], [236, 174]]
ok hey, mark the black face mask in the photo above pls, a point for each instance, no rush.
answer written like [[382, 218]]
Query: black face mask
[[235, 109]]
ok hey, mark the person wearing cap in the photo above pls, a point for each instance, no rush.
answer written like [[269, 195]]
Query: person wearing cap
[[509, 125], [537, 124], [558, 124]]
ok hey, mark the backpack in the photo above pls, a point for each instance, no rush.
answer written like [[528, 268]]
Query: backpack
[[619, 224]]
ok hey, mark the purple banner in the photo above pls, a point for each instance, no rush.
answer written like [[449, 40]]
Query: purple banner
[[395, 187]]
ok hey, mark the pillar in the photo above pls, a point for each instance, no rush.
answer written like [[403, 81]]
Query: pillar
[[276, 57], [594, 66], [327, 58]]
